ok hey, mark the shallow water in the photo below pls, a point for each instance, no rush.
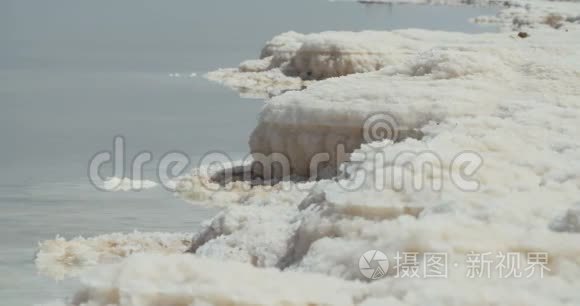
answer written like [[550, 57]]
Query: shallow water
[[73, 74]]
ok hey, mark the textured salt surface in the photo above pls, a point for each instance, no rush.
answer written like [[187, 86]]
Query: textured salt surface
[[291, 60], [126, 184], [512, 101], [60, 258]]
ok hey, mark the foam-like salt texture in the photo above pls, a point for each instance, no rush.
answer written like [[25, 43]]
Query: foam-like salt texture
[[61, 258], [183, 280], [126, 184], [226, 236], [508, 102]]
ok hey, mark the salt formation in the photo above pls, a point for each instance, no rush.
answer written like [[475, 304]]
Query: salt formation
[[183, 280], [473, 78], [212, 187], [61, 258], [494, 116], [290, 61], [126, 184]]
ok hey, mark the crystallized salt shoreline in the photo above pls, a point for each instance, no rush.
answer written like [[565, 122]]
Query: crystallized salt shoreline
[[512, 102], [291, 61]]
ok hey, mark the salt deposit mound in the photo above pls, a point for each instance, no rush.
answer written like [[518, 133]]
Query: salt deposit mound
[[291, 60], [438, 82]]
